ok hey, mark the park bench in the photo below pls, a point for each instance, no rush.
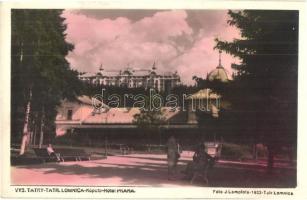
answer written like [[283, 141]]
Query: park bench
[[154, 147], [72, 154], [124, 149], [213, 149], [43, 154]]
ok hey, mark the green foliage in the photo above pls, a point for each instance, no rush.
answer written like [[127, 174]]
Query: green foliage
[[149, 119], [215, 85], [235, 151], [264, 89], [38, 64]]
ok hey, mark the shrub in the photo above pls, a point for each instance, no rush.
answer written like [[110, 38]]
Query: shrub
[[235, 151]]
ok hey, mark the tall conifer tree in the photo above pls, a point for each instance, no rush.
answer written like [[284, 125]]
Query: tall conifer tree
[[41, 76], [264, 89]]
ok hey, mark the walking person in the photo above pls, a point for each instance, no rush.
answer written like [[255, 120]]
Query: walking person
[[173, 156], [200, 164]]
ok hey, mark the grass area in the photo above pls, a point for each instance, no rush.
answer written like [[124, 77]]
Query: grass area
[[236, 152]]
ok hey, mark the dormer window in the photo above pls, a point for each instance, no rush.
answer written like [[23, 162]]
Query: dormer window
[[69, 114]]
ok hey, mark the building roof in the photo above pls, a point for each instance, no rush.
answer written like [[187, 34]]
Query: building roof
[[127, 71], [87, 75], [91, 101], [110, 73], [124, 116], [112, 116], [204, 94], [85, 99], [141, 72], [219, 73]]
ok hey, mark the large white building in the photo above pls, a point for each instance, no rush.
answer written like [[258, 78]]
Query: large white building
[[133, 78]]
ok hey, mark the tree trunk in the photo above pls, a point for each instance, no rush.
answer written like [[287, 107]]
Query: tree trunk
[[271, 154], [106, 146], [41, 138], [34, 136], [255, 151], [291, 156], [25, 134], [31, 138]]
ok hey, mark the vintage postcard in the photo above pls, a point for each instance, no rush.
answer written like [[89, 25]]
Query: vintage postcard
[[109, 99]]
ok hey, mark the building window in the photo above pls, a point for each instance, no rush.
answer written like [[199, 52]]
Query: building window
[[69, 114]]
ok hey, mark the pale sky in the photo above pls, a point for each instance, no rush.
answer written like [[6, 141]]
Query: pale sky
[[177, 40]]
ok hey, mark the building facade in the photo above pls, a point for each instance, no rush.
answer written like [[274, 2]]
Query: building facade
[[133, 78], [81, 114]]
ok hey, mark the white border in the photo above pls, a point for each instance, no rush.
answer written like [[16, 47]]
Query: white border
[[8, 191]]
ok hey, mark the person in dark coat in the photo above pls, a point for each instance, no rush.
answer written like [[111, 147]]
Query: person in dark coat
[[201, 161], [173, 156]]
